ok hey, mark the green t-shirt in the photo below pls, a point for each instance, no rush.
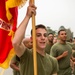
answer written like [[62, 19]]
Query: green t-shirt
[[46, 65], [15, 59], [64, 63], [73, 54], [74, 65], [48, 48], [72, 45]]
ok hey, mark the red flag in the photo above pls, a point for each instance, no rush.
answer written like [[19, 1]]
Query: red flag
[[8, 23], [7, 26]]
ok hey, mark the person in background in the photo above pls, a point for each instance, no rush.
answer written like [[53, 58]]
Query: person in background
[[74, 39], [62, 51], [14, 64], [73, 44], [49, 42], [27, 42], [73, 54], [55, 39]]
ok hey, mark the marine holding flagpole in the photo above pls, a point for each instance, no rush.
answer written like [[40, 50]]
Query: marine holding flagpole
[[46, 64]]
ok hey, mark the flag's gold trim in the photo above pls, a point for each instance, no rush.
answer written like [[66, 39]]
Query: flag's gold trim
[[11, 4], [22, 3], [5, 64], [11, 34]]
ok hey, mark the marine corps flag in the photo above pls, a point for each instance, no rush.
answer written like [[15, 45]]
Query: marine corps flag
[[8, 24]]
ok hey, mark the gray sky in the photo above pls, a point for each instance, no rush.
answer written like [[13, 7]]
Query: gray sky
[[8, 71], [52, 13]]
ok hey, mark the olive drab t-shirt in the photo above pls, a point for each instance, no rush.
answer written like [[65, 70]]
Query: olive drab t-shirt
[[48, 48], [72, 45], [64, 63], [73, 54], [46, 65], [17, 64]]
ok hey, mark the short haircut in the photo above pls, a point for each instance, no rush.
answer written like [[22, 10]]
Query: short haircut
[[51, 33], [61, 30], [74, 38], [39, 26]]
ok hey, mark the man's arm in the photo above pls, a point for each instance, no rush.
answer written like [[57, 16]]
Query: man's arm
[[14, 66], [20, 32], [62, 55], [54, 53]]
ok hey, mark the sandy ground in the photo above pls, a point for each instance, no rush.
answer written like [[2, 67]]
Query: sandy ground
[[7, 71]]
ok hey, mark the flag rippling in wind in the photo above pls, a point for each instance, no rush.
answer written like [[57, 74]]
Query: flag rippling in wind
[[8, 26]]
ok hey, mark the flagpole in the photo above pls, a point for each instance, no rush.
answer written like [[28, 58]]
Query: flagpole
[[34, 42]]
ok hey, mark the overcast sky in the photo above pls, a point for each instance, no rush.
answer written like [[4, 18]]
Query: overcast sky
[[52, 13]]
